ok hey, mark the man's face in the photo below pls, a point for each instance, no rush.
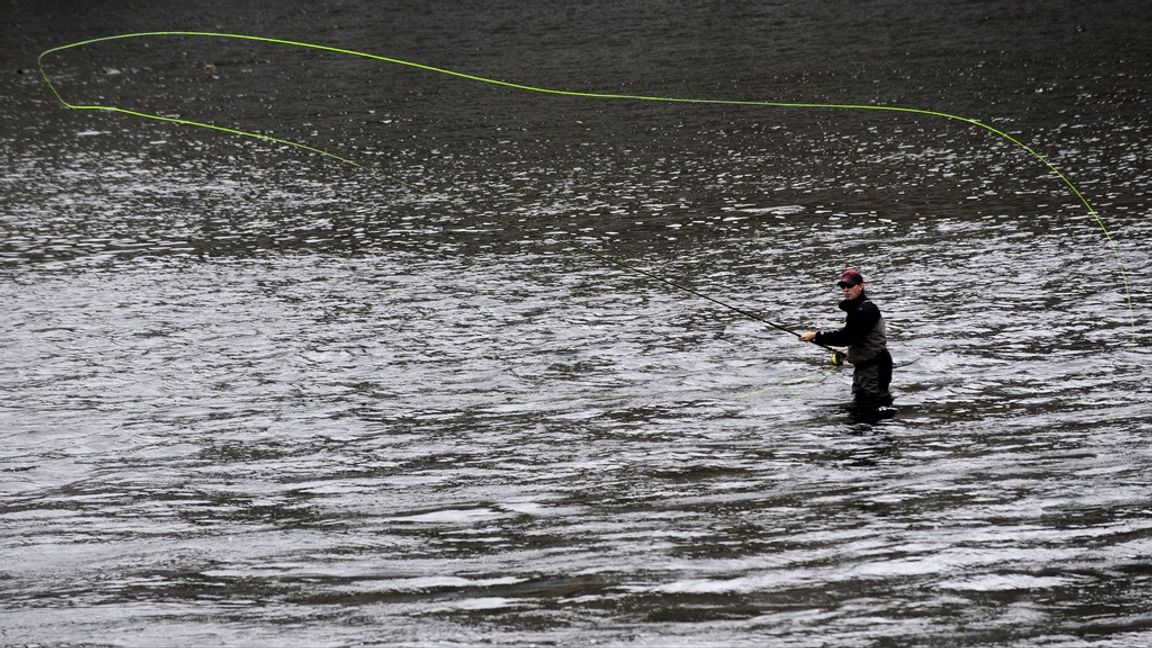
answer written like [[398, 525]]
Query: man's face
[[852, 292]]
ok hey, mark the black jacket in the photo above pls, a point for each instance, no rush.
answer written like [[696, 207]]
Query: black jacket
[[864, 332]]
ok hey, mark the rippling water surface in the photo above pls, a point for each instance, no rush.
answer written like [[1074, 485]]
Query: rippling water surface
[[254, 397]]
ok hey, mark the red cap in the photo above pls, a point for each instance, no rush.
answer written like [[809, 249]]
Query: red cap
[[850, 277]]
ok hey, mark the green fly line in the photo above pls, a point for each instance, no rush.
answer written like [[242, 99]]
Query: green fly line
[[550, 91]]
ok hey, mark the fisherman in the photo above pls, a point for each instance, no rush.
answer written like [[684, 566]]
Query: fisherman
[[864, 335]]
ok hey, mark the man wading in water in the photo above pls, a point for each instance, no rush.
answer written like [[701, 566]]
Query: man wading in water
[[865, 337]]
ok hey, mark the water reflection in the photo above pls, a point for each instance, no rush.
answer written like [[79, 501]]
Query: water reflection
[[253, 398]]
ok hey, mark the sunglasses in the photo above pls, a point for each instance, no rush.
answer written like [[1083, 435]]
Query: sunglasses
[[845, 284]]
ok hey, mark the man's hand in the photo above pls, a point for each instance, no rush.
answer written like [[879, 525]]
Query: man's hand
[[807, 336]]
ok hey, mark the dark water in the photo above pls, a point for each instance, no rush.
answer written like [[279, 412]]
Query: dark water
[[252, 397]]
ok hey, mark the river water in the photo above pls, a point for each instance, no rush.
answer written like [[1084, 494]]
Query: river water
[[250, 396]]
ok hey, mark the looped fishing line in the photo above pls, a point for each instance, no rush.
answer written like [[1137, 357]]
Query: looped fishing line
[[551, 91]]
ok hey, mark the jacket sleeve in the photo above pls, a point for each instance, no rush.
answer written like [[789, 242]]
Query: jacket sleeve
[[859, 323]]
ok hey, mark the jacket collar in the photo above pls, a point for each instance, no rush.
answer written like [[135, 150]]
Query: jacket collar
[[849, 305]]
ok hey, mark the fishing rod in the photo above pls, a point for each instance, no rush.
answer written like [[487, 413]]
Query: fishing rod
[[837, 355]]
